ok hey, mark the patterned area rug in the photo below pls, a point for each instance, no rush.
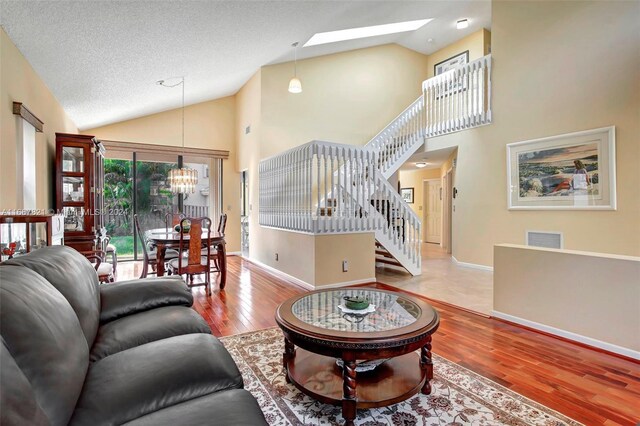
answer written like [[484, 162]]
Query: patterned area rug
[[459, 396]]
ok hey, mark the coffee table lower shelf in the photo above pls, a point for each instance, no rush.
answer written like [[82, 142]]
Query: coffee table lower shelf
[[318, 376]]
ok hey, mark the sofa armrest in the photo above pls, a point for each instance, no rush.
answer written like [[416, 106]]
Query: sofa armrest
[[129, 297]]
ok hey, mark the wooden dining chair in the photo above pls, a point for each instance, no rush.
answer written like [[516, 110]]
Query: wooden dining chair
[[213, 252], [150, 256], [112, 251], [103, 268], [172, 219], [192, 261]]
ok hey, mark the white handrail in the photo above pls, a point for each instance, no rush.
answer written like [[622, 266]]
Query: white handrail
[[399, 136]]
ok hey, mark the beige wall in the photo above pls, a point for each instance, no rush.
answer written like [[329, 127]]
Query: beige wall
[[555, 71], [249, 113], [414, 179], [589, 294], [347, 97], [20, 83], [210, 125], [317, 259], [357, 249], [478, 45]]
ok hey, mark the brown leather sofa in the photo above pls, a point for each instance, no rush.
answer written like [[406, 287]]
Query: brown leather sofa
[[79, 353]]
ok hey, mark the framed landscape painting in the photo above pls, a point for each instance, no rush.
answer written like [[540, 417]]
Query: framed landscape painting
[[575, 171]]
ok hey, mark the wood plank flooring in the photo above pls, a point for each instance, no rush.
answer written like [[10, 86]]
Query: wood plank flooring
[[590, 386]]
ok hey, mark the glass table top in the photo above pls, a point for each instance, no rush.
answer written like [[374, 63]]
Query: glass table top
[[326, 310]]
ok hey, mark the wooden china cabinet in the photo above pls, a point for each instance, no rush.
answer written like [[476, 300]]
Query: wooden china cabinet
[[79, 190]]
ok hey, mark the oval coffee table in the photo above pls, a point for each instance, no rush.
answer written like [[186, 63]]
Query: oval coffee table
[[323, 334]]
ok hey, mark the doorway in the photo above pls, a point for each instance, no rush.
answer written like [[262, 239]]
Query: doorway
[[244, 212], [432, 212]]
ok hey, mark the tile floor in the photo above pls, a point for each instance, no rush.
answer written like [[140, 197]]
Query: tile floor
[[442, 279]]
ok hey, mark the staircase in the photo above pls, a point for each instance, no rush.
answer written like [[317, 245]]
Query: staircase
[[323, 187]]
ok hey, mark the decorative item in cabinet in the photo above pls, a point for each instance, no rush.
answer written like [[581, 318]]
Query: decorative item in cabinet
[[79, 189], [24, 232]]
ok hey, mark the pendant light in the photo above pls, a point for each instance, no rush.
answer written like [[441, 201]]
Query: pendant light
[[184, 179], [295, 85]]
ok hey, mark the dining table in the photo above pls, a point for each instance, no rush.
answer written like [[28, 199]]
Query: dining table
[[164, 238]]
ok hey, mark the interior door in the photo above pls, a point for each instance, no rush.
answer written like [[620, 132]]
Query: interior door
[[434, 212]]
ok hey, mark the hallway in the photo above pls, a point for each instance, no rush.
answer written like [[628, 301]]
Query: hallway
[[443, 280]]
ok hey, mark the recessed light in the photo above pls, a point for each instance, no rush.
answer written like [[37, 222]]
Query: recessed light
[[462, 24], [421, 165], [362, 32]]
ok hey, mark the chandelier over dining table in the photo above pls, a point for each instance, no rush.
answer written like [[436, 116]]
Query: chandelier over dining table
[[184, 179]]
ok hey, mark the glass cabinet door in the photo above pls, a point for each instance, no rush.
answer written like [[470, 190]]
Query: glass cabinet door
[[73, 159], [37, 235], [72, 189], [73, 219]]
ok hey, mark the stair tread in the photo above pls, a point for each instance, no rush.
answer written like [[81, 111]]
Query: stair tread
[[388, 261], [384, 253]]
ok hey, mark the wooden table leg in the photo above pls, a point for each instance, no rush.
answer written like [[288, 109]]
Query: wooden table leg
[[289, 353], [426, 363], [222, 263], [349, 392], [160, 252]]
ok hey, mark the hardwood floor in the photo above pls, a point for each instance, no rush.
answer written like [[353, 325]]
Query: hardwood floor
[[590, 386]]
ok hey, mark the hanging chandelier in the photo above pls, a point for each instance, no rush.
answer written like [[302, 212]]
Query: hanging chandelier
[[184, 179]]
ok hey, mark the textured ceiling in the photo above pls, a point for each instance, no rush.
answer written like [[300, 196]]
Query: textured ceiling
[[101, 59]]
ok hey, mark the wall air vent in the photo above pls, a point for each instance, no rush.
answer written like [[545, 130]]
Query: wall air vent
[[545, 239]]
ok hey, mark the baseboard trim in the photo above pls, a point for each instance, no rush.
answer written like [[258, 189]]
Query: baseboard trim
[[371, 280], [307, 286], [278, 273], [234, 253], [568, 335], [472, 265]]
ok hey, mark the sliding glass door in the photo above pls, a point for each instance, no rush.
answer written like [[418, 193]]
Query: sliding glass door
[[154, 199], [118, 202], [137, 183]]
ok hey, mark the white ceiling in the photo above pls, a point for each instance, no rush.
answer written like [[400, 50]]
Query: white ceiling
[[101, 59], [434, 159]]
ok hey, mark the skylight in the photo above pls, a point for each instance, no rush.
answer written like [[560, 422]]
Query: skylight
[[362, 32]]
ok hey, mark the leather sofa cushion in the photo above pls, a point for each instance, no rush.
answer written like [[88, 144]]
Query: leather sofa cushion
[[144, 327], [129, 297], [43, 335], [17, 400], [228, 408], [153, 376], [74, 276]]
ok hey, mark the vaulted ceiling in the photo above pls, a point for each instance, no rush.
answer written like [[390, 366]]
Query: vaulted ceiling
[[101, 59]]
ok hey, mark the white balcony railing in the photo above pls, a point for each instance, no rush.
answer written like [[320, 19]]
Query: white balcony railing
[[318, 187], [458, 99]]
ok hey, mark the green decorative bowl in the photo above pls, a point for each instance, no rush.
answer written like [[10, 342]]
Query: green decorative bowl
[[356, 302], [184, 228]]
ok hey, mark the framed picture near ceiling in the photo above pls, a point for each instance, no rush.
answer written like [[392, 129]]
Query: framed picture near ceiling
[[407, 195], [574, 171], [453, 85], [451, 63]]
